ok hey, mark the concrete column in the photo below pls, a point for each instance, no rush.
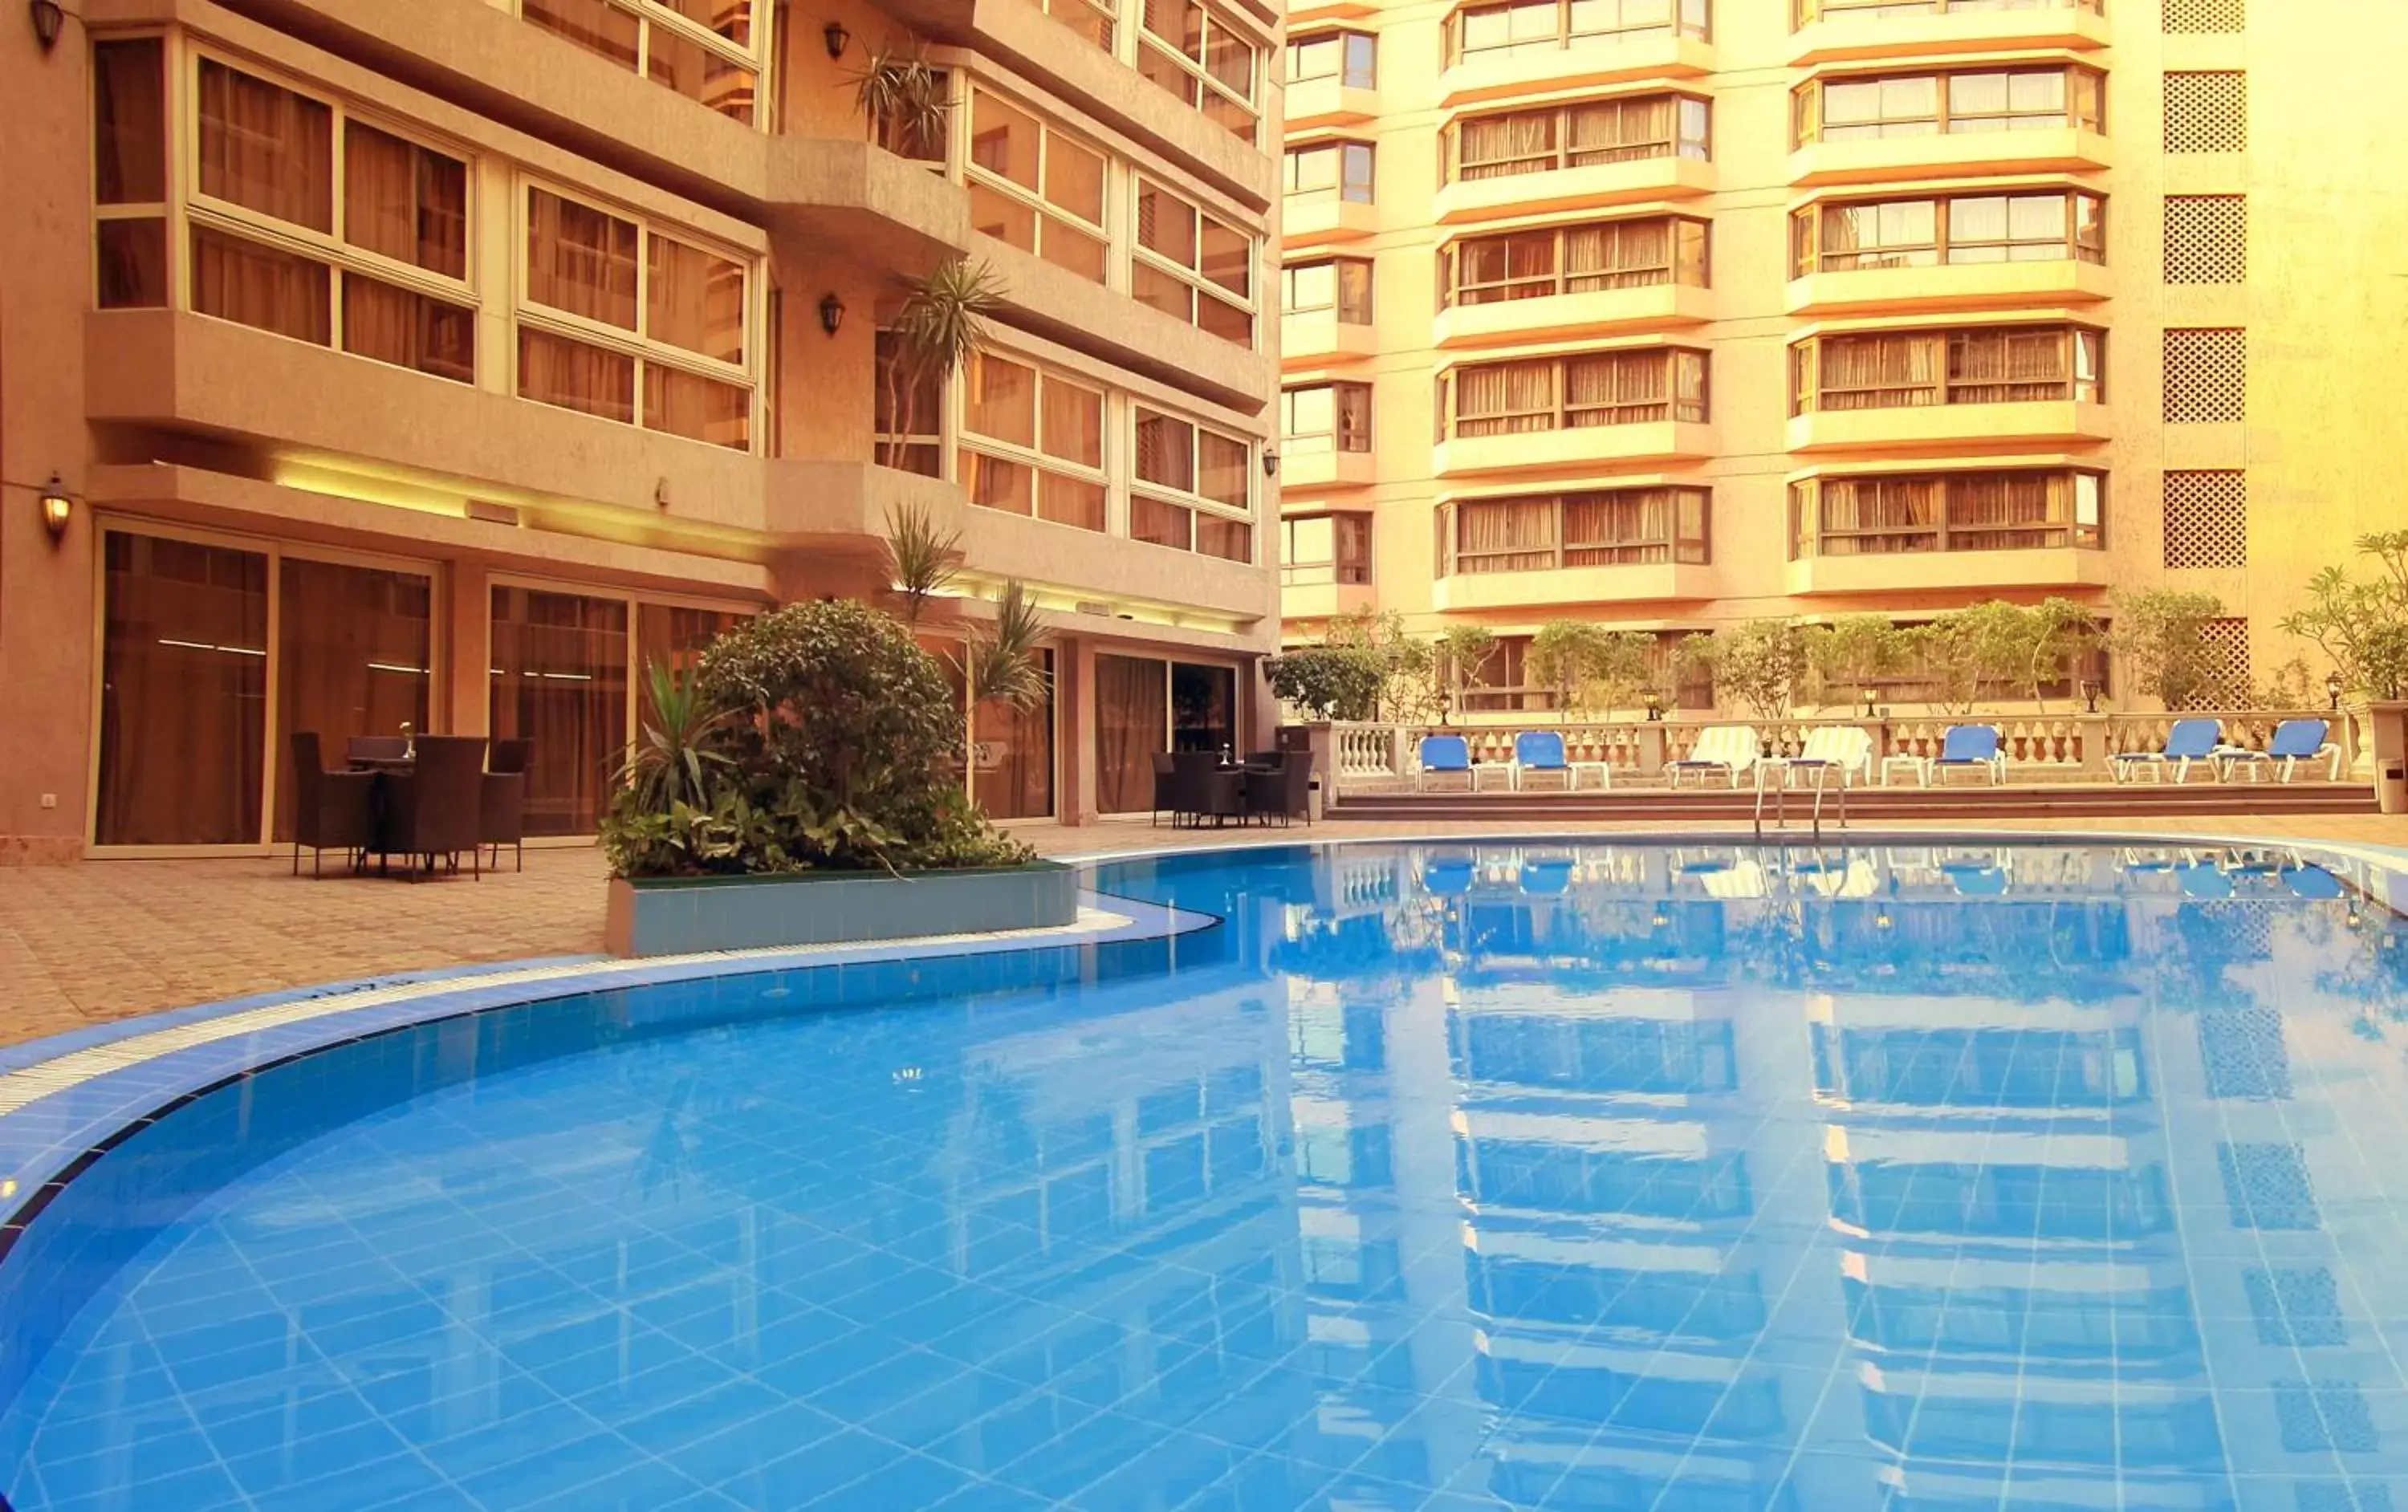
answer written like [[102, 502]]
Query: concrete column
[[2092, 729], [1074, 754], [1651, 751], [464, 701]]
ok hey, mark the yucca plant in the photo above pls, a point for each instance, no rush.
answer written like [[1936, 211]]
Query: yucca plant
[[942, 323], [670, 762], [921, 559], [907, 101], [1004, 661]]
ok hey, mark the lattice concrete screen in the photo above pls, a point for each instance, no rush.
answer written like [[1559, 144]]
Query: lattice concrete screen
[[2206, 376], [2207, 519], [2207, 112], [2207, 239], [2227, 645], [2183, 18]]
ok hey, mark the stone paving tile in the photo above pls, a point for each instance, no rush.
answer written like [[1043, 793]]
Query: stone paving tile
[[109, 939]]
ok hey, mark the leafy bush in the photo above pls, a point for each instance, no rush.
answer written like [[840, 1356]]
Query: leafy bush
[[1757, 663], [1329, 682], [819, 736], [2161, 632], [1592, 669], [2363, 626]]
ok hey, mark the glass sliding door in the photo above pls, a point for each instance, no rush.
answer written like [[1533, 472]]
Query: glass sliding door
[[1132, 723], [1013, 750], [1203, 707], [560, 679], [354, 657], [677, 637], [183, 695]]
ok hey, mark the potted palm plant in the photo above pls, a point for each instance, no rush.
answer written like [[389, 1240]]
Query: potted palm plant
[[939, 326]]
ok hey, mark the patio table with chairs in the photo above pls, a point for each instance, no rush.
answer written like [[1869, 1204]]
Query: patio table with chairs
[[1197, 785], [425, 797]]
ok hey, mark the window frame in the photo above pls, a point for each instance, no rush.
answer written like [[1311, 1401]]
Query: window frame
[[1344, 437], [1343, 150], [1686, 19], [1679, 548], [1032, 456], [1809, 115], [189, 208], [1340, 570], [1449, 420], [1560, 153], [1346, 73], [1452, 287], [1035, 201], [1804, 13], [1808, 531], [1338, 305], [1199, 285], [639, 343], [1810, 252], [1199, 74], [1810, 388], [751, 56], [1194, 501]]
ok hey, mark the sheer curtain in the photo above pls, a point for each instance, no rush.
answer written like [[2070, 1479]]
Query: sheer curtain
[[405, 202], [355, 648], [1879, 372], [1132, 723], [1505, 535], [1624, 387], [555, 370], [129, 122], [694, 300], [1619, 130], [1498, 147], [560, 679], [266, 148], [1505, 398], [242, 281], [580, 260]]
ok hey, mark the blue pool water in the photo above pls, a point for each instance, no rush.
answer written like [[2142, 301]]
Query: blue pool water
[[1457, 1176]]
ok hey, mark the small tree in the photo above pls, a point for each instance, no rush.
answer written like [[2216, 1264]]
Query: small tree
[[2362, 627], [942, 324], [1460, 654], [1006, 663], [1592, 669], [906, 100], [2161, 633], [1329, 682], [921, 559], [1410, 690], [1851, 654], [1757, 663], [2054, 636]]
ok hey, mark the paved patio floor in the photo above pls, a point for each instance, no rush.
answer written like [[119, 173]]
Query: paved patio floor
[[107, 940]]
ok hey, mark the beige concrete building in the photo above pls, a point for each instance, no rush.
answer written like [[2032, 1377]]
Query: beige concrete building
[[1666, 313], [364, 362]]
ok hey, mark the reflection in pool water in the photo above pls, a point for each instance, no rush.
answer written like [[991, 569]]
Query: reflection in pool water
[[1601, 1177]]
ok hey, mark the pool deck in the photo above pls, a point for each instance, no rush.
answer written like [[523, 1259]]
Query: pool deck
[[108, 940]]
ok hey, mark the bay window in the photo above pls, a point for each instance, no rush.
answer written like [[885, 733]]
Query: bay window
[[1326, 548], [1342, 284], [709, 50], [1540, 533], [1519, 27], [1032, 443], [1349, 57], [1193, 488], [1322, 418], [2046, 227], [1988, 511], [1033, 186], [1571, 260], [1510, 142], [129, 138], [1866, 108], [1808, 11], [1193, 266], [1091, 22], [1984, 365], [1329, 170], [623, 320], [1615, 388], [380, 271], [1201, 58]]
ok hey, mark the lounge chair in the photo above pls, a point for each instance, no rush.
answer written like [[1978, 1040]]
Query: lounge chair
[[2201, 877], [1443, 756], [2311, 882], [1845, 747], [2294, 741], [1547, 875], [2189, 741], [1449, 876], [1730, 749], [1542, 752], [1977, 873], [1968, 748]]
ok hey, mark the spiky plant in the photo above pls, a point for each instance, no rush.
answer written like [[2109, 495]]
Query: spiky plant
[[906, 99], [921, 559], [1005, 666], [679, 745], [941, 326]]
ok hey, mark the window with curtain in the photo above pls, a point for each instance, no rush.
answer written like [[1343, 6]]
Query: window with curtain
[[1806, 12], [1132, 723], [1864, 108], [1619, 388], [1012, 754], [1988, 365], [1096, 23], [1349, 57], [1984, 510], [710, 52], [1326, 548], [1191, 487], [1321, 418], [1201, 58], [1193, 266], [1329, 170], [1032, 443], [678, 360], [1616, 527], [382, 274], [129, 154], [1524, 26], [908, 412], [560, 681], [354, 657], [1036, 187], [1622, 130], [184, 691], [1342, 284]]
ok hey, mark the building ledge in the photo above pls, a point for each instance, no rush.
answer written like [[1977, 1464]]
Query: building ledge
[[1568, 317], [1588, 67], [1652, 582], [1943, 430], [1325, 600], [1052, 302], [1964, 286], [1325, 470], [1308, 340], [1860, 38], [1970, 154], [1316, 222], [882, 211], [1589, 445], [1981, 571], [1325, 102], [1569, 189]]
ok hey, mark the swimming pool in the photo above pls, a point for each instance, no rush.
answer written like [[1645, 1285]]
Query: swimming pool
[[1448, 1176]]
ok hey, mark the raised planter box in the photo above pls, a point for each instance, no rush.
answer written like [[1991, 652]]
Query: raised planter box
[[680, 915]]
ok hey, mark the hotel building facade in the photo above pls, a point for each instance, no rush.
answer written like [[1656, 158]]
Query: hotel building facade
[[1671, 313], [365, 363]]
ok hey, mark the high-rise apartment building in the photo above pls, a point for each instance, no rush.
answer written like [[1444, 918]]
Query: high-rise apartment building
[[1668, 313], [444, 362]]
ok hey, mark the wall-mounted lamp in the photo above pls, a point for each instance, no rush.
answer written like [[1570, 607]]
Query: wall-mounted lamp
[[58, 506], [831, 313], [838, 39], [48, 19], [2332, 688], [1270, 462]]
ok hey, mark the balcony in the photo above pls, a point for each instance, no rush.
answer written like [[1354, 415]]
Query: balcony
[[1327, 102], [1611, 59], [1324, 470], [1320, 220], [1952, 428], [1320, 336], [1844, 34], [1590, 313], [880, 209], [1325, 600], [1988, 572], [1651, 582], [1570, 450], [1089, 565], [1954, 155], [1057, 303], [1961, 286], [1588, 187]]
